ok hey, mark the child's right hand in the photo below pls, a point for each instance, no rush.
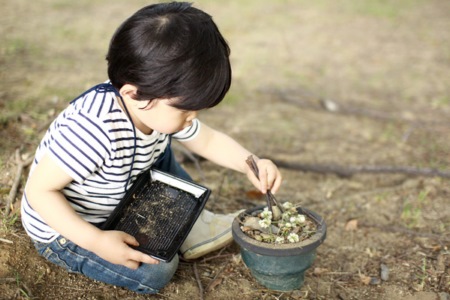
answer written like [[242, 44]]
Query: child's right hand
[[113, 246]]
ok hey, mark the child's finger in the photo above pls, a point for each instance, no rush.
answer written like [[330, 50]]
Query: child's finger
[[263, 179], [130, 240], [270, 177], [141, 257], [131, 264], [276, 184]]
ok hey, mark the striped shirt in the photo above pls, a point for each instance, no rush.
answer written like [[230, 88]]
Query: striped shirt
[[92, 140]]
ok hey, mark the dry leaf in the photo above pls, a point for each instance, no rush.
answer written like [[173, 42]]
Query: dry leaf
[[365, 279], [351, 225], [254, 194], [237, 259]]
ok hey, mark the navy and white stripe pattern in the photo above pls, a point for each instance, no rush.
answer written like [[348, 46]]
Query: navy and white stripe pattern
[[93, 141]]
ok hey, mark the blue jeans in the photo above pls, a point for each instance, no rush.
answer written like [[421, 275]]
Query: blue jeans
[[147, 279]]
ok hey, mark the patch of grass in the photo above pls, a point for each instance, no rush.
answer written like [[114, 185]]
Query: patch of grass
[[389, 133], [412, 209], [21, 287], [443, 101], [422, 276], [13, 47], [382, 197], [411, 215], [17, 107], [6, 116], [435, 152], [8, 222]]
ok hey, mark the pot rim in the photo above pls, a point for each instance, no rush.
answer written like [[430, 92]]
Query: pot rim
[[280, 249]]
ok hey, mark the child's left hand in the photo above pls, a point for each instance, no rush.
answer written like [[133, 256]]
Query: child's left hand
[[269, 176]]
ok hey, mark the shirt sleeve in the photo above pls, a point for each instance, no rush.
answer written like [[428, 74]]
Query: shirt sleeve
[[79, 145], [188, 133]]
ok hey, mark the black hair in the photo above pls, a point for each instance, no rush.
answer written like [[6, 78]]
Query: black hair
[[171, 50]]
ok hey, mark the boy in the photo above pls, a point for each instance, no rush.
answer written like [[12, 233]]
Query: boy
[[165, 63]]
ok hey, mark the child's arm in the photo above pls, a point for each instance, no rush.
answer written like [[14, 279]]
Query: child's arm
[[223, 150], [44, 194]]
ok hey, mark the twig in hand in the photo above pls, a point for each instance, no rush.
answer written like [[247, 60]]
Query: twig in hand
[[269, 196], [21, 164], [197, 277]]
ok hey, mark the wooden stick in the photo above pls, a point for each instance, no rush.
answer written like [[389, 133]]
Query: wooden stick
[[199, 283], [348, 171], [309, 100], [392, 228], [6, 241], [21, 164]]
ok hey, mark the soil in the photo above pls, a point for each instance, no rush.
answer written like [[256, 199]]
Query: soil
[[317, 83], [251, 228]]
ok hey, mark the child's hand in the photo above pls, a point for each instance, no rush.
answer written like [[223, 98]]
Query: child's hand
[[269, 176], [113, 247]]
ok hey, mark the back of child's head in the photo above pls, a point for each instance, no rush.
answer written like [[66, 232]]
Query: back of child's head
[[171, 50]]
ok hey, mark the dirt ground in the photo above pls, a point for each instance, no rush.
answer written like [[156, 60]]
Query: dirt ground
[[321, 84]]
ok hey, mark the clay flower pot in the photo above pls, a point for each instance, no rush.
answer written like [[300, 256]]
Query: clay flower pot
[[279, 267]]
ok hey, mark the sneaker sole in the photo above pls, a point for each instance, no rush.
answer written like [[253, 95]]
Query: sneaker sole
[[206, 247]]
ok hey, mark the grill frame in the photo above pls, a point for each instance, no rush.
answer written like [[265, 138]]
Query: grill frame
[[173, 203]]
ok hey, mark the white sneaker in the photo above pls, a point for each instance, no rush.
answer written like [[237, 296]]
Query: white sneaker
[[209, 233]]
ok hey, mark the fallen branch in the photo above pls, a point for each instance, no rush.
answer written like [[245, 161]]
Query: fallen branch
[[392, 228], [199, 283], [21, 164], [349, 171], [217, 257], [309, 100]]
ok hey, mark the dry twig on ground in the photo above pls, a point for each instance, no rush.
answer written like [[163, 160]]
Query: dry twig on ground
[[348, 171], [309, 100], [21, 164], [199, 283]]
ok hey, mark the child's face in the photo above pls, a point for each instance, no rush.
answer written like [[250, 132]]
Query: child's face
[[160, 116]]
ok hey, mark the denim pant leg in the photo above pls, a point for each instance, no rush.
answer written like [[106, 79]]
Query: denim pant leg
[[168, 164], [147, 279]]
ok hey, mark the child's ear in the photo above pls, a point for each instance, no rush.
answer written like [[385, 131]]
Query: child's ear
[[128, 91]]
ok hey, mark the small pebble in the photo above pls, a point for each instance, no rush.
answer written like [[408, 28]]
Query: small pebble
[[444, 296], [252, 222], [276, 213], [375, 281], [384, 272]]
